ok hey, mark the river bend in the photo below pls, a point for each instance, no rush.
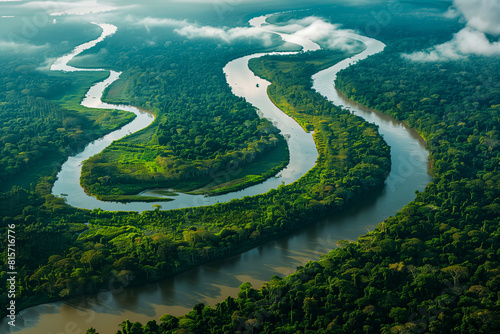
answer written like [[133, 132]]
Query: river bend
[[243, 82], [212, 282]]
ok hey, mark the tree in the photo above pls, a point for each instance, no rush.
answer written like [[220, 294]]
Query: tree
[[169, 322], [400, 315], [456, 272], [309, 306]]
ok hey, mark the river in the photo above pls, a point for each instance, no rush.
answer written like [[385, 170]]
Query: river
[[243, 82], [212, 282]]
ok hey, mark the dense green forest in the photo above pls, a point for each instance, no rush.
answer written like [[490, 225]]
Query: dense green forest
[[36, 131], [64, 251], [202, 130], [432, 268]]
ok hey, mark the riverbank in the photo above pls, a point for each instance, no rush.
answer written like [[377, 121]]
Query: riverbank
[[288, 212], [67, 186], [278, 222]]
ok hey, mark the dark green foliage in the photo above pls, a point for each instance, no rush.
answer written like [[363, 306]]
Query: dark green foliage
[[131, 248], [32, 126], [38, 133], [200, 130], [432, 268]]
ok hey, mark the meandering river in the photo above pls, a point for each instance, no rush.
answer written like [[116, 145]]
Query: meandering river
[[244, 83], [211, 283]]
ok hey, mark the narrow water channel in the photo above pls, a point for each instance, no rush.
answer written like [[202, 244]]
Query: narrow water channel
[[211, 283], [243, 82]]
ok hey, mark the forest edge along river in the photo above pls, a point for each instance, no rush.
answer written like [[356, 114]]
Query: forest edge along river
[[244, 83], [212, 282]]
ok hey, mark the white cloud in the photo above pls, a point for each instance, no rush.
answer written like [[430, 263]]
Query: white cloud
[[471, 41], [194, 30], [85, 7], [15, 47], [482, 18], [315, 29], [481, 15], [310, 28], [227, 35], [327, 34], [294, 25], [156, 22], [149, 22]]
